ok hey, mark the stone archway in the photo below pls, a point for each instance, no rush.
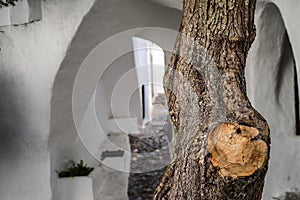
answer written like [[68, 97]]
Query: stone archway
[[271, 82], [103, 20]]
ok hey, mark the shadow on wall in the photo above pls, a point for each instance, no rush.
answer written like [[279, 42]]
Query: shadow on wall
[[22, 148], [11, 146]]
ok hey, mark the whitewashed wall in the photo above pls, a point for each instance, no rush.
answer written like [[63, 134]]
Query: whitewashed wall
[[120, 83], [271, 88], [30, 57], [23, 12]]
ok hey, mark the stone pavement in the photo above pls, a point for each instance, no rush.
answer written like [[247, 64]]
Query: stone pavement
[[151, 153]]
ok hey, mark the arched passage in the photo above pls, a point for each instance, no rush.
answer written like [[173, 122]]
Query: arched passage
[[150, 66], [104, 20], [271, 88]]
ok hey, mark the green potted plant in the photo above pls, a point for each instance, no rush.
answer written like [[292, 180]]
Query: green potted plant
[[74, 183]]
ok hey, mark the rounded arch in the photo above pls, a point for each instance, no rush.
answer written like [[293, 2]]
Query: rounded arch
[[106, 18], [271, 87], [150, 67]]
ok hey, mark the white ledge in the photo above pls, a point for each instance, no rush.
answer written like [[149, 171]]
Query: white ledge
[[23, 12]]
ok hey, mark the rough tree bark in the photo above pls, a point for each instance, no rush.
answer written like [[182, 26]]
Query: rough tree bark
[[221, 143]]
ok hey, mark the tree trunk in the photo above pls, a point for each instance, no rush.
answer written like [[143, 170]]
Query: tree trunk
[[221, 143]]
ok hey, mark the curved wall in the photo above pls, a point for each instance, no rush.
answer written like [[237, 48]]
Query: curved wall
[[103, 21], [270, 80]]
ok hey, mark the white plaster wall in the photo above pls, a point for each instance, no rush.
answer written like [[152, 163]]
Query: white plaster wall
[[120, 83], [159, 66], [30, 57], [270, 77], [23, 12], [4, 16], [19, 14], [102, 107], [140, 61]]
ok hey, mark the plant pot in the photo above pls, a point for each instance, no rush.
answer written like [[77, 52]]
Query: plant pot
[[76, 188]]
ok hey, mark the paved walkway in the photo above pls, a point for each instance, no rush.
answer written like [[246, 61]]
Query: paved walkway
[[150, 154]]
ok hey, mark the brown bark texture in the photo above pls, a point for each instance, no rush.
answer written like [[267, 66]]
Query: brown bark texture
[[221, 143]]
